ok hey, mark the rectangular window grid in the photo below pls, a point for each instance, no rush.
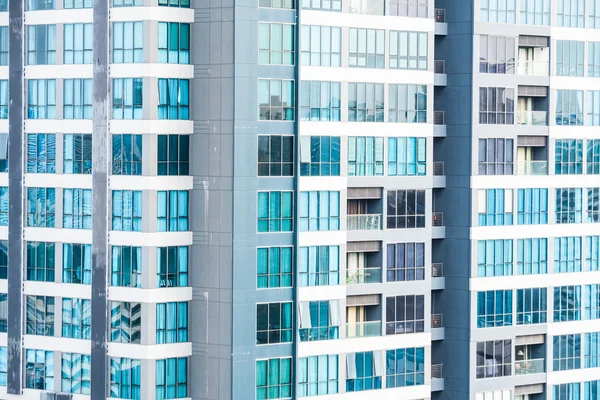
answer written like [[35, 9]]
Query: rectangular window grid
[[365, 156], [77, 154], [40, 261], [321, 45], [404, 314], [275, 211], [405, 367], [567, 303], [494, 258], [568, 206], [319, 266], [172, 268], [319, 211], [568, 156], [274, 267], [78, 42], [320, 155], [274, 375], [567, 254], [494, 308], [173, 154], [41, 153], [172, 322], [408, 50], [569, 107], [127, 154], [275, 155], [407, 103], [531, 306], [405, 209], [76, 318], [275, 100], [174, 42], [407, 156], [366, 102], [273, 323], [566, 351], [532, 256], [128, 41], [366, 48], [276, 43], [320, 101], [493, 359]]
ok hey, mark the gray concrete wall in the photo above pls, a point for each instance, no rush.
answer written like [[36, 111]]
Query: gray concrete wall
[[455, 201], [15, 188], [211, 200]]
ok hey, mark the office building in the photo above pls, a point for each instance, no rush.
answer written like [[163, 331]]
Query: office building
[[276, 199]]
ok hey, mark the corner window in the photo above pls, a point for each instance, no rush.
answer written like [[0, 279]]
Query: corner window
[[173, 42]]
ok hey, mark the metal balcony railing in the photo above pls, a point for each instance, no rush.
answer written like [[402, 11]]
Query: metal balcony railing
[[437, 320], [437, 270], [438, 118], [437, 371], [438, 219], [440, 15], [439, 66], [364, 222], [438, 168]]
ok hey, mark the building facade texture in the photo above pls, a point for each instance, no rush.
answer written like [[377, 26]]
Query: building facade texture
[[278, 199]]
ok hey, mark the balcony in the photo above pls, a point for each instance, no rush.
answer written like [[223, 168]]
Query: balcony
[[437, 326], [533, 68], [438, 219], [532, 118], [437, 270], [363, 222], [363, 329], [437, 321], [363, 275], [441, 27], [532, 167], [439, 124], [437, 377], [439, 69], [528, 367], [438, 282]]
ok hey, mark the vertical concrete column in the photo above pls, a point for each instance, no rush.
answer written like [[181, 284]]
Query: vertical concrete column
[[15, 188], [100, 140]]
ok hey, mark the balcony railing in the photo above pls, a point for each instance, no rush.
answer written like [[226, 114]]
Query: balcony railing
[[437, 270], [363, 329], [363, 275], [528, 367], [437, 371], [363, 222], [438, 168], [533, 68], [532, 167], [440, 15], [439, 66], [437, 320], [532, 118], [438, 118], [438, 219]]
